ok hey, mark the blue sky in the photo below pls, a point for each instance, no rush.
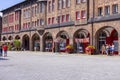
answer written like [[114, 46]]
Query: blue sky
[[7, 3]]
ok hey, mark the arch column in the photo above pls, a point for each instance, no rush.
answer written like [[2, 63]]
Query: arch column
[[41, 43], [118, 42], [30, 42], [71, 40]]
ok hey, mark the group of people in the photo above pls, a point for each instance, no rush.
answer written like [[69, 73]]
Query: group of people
[[107, 49], [3, 50]]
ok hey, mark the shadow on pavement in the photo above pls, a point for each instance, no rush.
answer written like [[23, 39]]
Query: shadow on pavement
[[3, 58]]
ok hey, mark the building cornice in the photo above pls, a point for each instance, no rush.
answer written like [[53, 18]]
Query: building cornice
[[64, 24], [104, 18]]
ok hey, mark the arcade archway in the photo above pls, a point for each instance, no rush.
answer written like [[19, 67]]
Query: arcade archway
[[17, 37], [10, 38], [62, 40], [25, 42], [107, 36], [81, 40], [4, 38], [48, 42], [35, 42]]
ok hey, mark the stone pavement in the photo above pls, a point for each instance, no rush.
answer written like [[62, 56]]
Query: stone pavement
[[28, 65]]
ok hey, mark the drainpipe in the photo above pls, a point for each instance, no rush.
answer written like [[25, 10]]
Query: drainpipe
[[30, 41], [92, 23]]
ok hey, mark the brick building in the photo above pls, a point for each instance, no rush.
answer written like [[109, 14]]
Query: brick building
[[44, 24]]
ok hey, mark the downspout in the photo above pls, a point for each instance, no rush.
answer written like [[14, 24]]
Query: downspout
[[92, 23], [30, 45]]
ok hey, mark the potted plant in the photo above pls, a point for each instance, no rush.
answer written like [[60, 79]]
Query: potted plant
[[69, 48], [17, 44], [90, 49]]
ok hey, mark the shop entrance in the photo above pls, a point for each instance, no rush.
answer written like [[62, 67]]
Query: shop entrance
[[107, 36], [48, 42], [61, 42], [81, 41], [36, 42], [25, 43]]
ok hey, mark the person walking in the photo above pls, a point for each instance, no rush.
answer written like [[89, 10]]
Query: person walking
[[107, 49], [5, 50], [112, 49], [103, 50]]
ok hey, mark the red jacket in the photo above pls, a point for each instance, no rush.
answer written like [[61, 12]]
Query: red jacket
[[5, 47]]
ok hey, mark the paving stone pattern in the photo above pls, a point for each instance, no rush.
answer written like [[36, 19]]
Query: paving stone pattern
[[54, 66]]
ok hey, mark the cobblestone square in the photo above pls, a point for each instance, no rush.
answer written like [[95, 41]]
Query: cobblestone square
[[54, 66]]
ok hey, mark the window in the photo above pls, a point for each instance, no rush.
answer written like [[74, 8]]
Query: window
[[32, 24], [77, 1], [59, 4], [17, 27], [107, 10], [43, 8], [63, 3], [53, 20], [100, 11], [67, 17], [35, 10], [49, 20], [28, 12], [115, 8], [11, 18], [23, 25], [77, 15], [83, 14], [38, 22], [24, 13], [68, 3], [49, 6], [35, 23], [63, 18], [41, 22], [28, 25], [53, 5], [17, 15], [82, 1], [58, 19]]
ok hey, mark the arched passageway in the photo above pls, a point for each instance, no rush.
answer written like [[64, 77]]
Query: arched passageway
[[107, 36], [25, 42], [35, 42], [10, 38], [17, 37], [81, 40], [4, 38], [62, 40], [48, 42]]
